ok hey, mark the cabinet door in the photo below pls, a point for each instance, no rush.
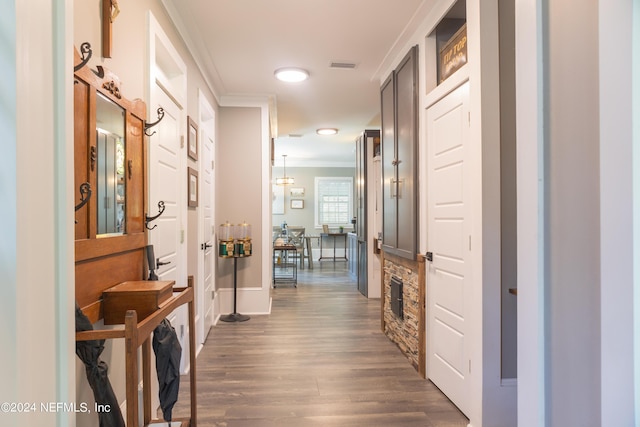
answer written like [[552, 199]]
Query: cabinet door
[[389, 212], [406, 136]]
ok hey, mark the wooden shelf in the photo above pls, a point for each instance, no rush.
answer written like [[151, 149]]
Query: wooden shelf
[[136, 334]]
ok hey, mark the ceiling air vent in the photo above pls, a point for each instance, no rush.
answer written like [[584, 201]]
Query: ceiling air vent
[[343, 65]]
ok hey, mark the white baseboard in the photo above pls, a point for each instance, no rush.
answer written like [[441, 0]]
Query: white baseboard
[[249, 300]]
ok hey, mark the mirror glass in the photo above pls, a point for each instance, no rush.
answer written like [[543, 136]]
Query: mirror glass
[[110, 166]]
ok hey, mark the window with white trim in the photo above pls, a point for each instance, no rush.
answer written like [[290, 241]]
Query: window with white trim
[[334, 201]]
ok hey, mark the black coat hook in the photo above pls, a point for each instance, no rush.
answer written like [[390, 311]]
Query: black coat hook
[[148, 126], [148, 219], [85, 50], [85, 195]]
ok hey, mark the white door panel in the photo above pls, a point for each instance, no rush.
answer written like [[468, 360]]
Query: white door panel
[[165, 178], [449, 346], [208, 237], [449, 188], [447, 240], [448, 290]]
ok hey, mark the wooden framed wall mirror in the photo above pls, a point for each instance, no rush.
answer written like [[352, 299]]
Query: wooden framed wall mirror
[[110, 164], [109, 154]]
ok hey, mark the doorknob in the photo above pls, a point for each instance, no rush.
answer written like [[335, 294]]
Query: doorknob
[[160, 263], [204, 246]]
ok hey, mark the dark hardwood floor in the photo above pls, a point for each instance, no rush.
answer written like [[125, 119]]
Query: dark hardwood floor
[[319, 359]]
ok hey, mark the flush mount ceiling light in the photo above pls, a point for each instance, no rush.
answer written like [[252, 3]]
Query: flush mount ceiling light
[[291, 75], [327, 131]]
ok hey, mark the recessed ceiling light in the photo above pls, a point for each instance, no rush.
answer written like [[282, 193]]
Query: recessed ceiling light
[[327, 131], [291, 75]]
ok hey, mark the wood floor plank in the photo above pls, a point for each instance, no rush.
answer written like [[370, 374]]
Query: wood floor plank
[[319, 359]]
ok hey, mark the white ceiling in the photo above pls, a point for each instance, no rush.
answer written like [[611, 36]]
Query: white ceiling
[[240, 43]]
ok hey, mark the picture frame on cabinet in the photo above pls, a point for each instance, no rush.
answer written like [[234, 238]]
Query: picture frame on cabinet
[[192, 138]]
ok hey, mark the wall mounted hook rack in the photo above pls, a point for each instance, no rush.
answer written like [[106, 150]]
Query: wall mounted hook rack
[[148, 126], [85, 50], [85, 195], [148, 219]]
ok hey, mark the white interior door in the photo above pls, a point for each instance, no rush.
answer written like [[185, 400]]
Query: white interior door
[[165, 178], [208, 245], [448, 240]]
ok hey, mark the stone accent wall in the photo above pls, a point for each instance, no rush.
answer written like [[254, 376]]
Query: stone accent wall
[[407, 333]]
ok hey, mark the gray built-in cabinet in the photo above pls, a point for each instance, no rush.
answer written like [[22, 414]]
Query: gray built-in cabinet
[[399, 99]]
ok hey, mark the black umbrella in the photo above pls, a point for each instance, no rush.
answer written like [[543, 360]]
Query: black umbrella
[[168, 351], [96, 369]]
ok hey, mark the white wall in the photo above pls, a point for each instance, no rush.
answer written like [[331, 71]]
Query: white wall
[[36, 253], [616, 210], [575, 211]]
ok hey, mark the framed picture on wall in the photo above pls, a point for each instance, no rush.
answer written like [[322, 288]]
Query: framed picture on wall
[[192, 176], [297, 192], [192, 139], [297, 204]]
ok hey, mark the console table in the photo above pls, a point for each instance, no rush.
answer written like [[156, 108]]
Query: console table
[[334, 236]]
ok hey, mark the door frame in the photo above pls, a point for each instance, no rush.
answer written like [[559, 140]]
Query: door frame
[[207, 126], [175, 87]]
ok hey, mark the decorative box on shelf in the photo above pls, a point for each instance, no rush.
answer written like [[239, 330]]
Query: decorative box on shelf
[[453, 54], [143, 296]]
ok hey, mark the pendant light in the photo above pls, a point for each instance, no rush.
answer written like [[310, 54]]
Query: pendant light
[[285, 180]]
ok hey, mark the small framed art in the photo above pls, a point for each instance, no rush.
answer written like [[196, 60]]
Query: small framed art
[[192, 175], [297, 204], [192, 139], [297, 192]]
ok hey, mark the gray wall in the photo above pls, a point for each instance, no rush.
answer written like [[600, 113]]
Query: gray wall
[[305, 178], [508, 183], [239, 189], [573, 204]]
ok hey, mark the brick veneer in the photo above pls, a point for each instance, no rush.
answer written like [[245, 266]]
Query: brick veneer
[[407, 333]]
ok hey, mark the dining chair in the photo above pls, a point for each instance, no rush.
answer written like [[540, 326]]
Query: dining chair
[[296, 238]]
